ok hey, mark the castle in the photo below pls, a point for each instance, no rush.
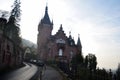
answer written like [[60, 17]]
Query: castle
[[57, 46]]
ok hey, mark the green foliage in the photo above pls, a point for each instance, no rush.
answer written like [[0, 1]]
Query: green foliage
[[98, 74], [30, 53], [84, 69], [82, 74], [30, 56], [77, 59], [86, 62], [12, 29], [91, 62], [16, 12], [118, 73]]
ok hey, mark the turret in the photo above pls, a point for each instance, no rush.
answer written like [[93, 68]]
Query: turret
[[46, 19], [70, 37], [71, 40], [79, 44], [45, 29]]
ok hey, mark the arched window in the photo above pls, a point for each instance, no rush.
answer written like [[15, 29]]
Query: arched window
[[60, 52]]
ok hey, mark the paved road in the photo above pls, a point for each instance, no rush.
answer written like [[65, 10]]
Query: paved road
[[51, 74], [24, 73]]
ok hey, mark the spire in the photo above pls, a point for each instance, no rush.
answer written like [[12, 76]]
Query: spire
[[79, 42], [46, 19], [70, 37], [46, 9], [61, 27], [52, 22]]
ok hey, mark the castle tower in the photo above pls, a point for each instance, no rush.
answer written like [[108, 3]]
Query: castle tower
[[44, 32]]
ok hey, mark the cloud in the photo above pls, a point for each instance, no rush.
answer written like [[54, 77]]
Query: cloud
[[99, 30]]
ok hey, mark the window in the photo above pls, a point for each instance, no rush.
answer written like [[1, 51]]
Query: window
[[60, 52], [71, 43]]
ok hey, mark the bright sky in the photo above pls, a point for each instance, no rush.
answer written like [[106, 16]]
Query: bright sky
[[97, 22]]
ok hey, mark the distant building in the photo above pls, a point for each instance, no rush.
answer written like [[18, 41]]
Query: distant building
[[27, 52], [58, 46]]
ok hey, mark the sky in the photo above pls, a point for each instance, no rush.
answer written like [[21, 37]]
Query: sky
[[97, 22]]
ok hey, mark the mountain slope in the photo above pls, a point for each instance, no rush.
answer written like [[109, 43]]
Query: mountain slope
[[27, 43]]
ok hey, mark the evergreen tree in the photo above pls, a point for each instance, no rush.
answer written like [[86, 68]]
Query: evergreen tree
[[118, 72], [3, 20], [12, 29], [110, 75], [77, 62], [16, 12], [77, 59], [86, 62]]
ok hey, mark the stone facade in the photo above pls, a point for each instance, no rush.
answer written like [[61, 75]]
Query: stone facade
[[58, 46], [11, 55]]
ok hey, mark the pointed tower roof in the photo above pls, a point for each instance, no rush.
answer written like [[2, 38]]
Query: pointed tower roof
[[71, 41], [46, 19], [60, 31], [61, 28], [79, 42], [70, 37]]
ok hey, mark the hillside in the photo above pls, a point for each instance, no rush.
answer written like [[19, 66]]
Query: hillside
[[28, 43]]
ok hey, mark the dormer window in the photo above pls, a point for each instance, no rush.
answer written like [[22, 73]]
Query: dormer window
[[60, 41]]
